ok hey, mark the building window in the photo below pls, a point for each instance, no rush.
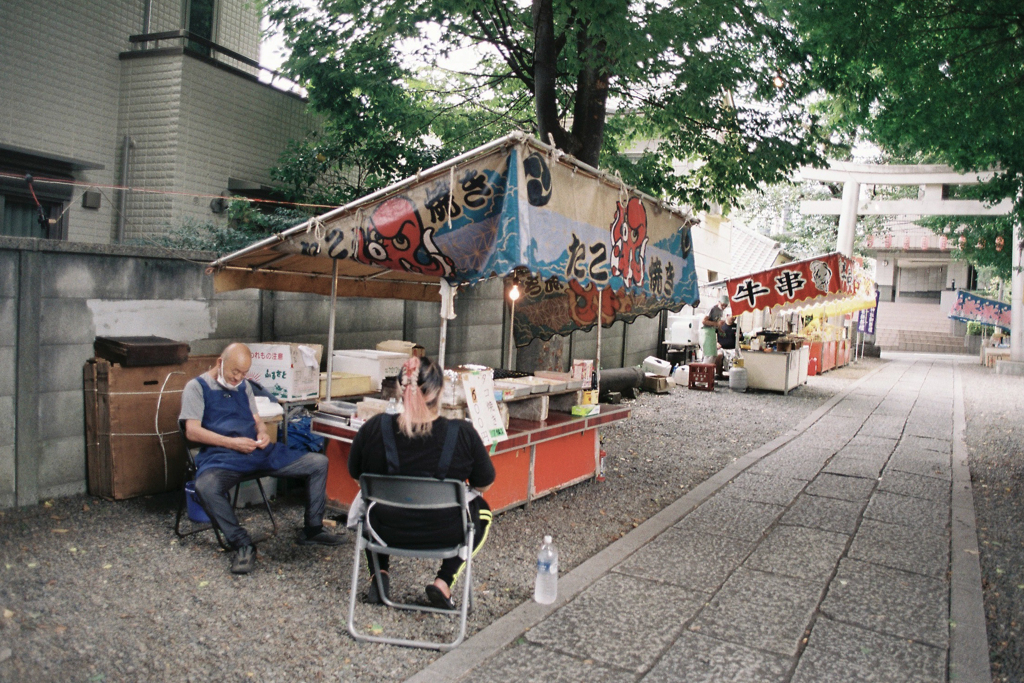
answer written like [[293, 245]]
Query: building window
[[200, 16], [19, 214], [712, 275]]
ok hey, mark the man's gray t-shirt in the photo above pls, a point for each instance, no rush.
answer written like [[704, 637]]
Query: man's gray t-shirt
[[193, 404]]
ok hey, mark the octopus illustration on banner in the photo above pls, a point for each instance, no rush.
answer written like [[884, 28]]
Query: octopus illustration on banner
[[397, 239], [635, 278], [629, 242]]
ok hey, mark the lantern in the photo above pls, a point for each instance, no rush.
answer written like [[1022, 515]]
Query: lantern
[[999, 242], [943, 242], [924, 242], [963, 241]]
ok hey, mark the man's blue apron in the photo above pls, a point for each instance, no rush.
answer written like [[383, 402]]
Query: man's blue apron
[[228, 413]]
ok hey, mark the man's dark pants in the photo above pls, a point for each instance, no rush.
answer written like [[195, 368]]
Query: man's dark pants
[[214, 485]]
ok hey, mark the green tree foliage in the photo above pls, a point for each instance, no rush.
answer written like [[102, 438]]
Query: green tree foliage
[[935, 80], [718, 84], [774, 210]]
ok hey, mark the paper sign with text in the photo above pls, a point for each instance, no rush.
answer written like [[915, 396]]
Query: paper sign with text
[[482, 408]]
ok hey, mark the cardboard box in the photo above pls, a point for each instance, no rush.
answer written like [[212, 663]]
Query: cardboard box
[[133, 445], [587, 409], [370, 407], [406, 347], [583, 370], [285, 371], [375, 364], [345, 384], [655, 384]]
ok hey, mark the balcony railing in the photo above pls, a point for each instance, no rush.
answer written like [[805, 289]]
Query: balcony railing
[[207, 49]]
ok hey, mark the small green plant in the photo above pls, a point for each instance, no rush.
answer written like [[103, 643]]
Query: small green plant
[[246, 225], [975, 329]]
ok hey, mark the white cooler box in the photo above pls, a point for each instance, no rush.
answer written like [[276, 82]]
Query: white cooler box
[[375, 364], [681, 330]]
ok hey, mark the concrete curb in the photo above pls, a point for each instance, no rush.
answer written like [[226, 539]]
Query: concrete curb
[[968, 638], [485, 644]]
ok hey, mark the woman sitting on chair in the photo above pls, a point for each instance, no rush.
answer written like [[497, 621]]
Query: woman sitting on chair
[[426, 445]]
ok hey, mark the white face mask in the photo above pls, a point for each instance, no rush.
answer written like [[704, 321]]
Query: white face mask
[[224, 383]]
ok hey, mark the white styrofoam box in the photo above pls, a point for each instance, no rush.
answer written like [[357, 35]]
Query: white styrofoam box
[[657, 366], [375, 364], [683, 329], [288, 371], [249, 492]]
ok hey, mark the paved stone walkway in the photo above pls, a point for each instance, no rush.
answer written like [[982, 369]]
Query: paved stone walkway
[[823, 556]]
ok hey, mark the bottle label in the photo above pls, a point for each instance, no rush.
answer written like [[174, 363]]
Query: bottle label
[[544, 567]]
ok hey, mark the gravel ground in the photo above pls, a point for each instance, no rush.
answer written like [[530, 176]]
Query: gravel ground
[[92, 590], [994, 407]]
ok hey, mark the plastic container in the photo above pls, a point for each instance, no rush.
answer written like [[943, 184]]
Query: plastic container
[[681, 375], [683, 330], [738, 379], [657, 366], [195, 511], [545, 590]]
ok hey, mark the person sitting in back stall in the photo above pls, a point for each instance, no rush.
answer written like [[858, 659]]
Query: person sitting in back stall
[[728, 333], [219, 410]]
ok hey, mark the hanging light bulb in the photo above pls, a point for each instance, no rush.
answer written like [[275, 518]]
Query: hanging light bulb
[[513, 294], [777, 80]]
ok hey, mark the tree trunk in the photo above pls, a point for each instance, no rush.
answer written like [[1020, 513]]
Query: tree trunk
[[587, 136], [545, 75], [589, 110]]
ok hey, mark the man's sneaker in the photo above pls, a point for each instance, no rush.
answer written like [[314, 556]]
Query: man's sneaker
[[244, 560], [322, 537]]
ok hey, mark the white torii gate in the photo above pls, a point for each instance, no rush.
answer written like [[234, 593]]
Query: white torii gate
[[929, 203]]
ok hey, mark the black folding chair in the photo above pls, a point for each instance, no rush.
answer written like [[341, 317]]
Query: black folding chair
[[413, 493], [191, 450]]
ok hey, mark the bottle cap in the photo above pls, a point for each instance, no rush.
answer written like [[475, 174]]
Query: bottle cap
[[547, 539]]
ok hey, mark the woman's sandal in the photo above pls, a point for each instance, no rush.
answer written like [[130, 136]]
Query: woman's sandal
[[438, 599]]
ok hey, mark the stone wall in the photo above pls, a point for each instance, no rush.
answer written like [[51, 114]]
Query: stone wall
[[56, 297]]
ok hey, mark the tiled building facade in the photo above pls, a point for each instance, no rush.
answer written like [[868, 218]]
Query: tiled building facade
[[75, 90]]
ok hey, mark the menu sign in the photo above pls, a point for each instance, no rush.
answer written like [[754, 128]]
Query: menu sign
[[482, 408]]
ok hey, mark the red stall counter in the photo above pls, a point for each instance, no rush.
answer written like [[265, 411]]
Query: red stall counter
[[538, 458]]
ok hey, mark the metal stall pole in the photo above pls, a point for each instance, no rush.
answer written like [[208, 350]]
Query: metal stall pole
[[443, 342], [597, 363], [330, 328]]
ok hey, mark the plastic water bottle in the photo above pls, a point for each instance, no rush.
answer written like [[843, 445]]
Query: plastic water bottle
[[392, 408], [546, 589]]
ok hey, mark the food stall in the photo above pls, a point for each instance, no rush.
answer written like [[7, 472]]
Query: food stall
[[973, 308], [822, 286], [587, 250]]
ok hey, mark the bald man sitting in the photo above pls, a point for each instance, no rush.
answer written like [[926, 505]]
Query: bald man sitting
[[219, 410]]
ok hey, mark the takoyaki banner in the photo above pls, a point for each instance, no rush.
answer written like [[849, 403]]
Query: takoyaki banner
[[515, 205], [794, 285]]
